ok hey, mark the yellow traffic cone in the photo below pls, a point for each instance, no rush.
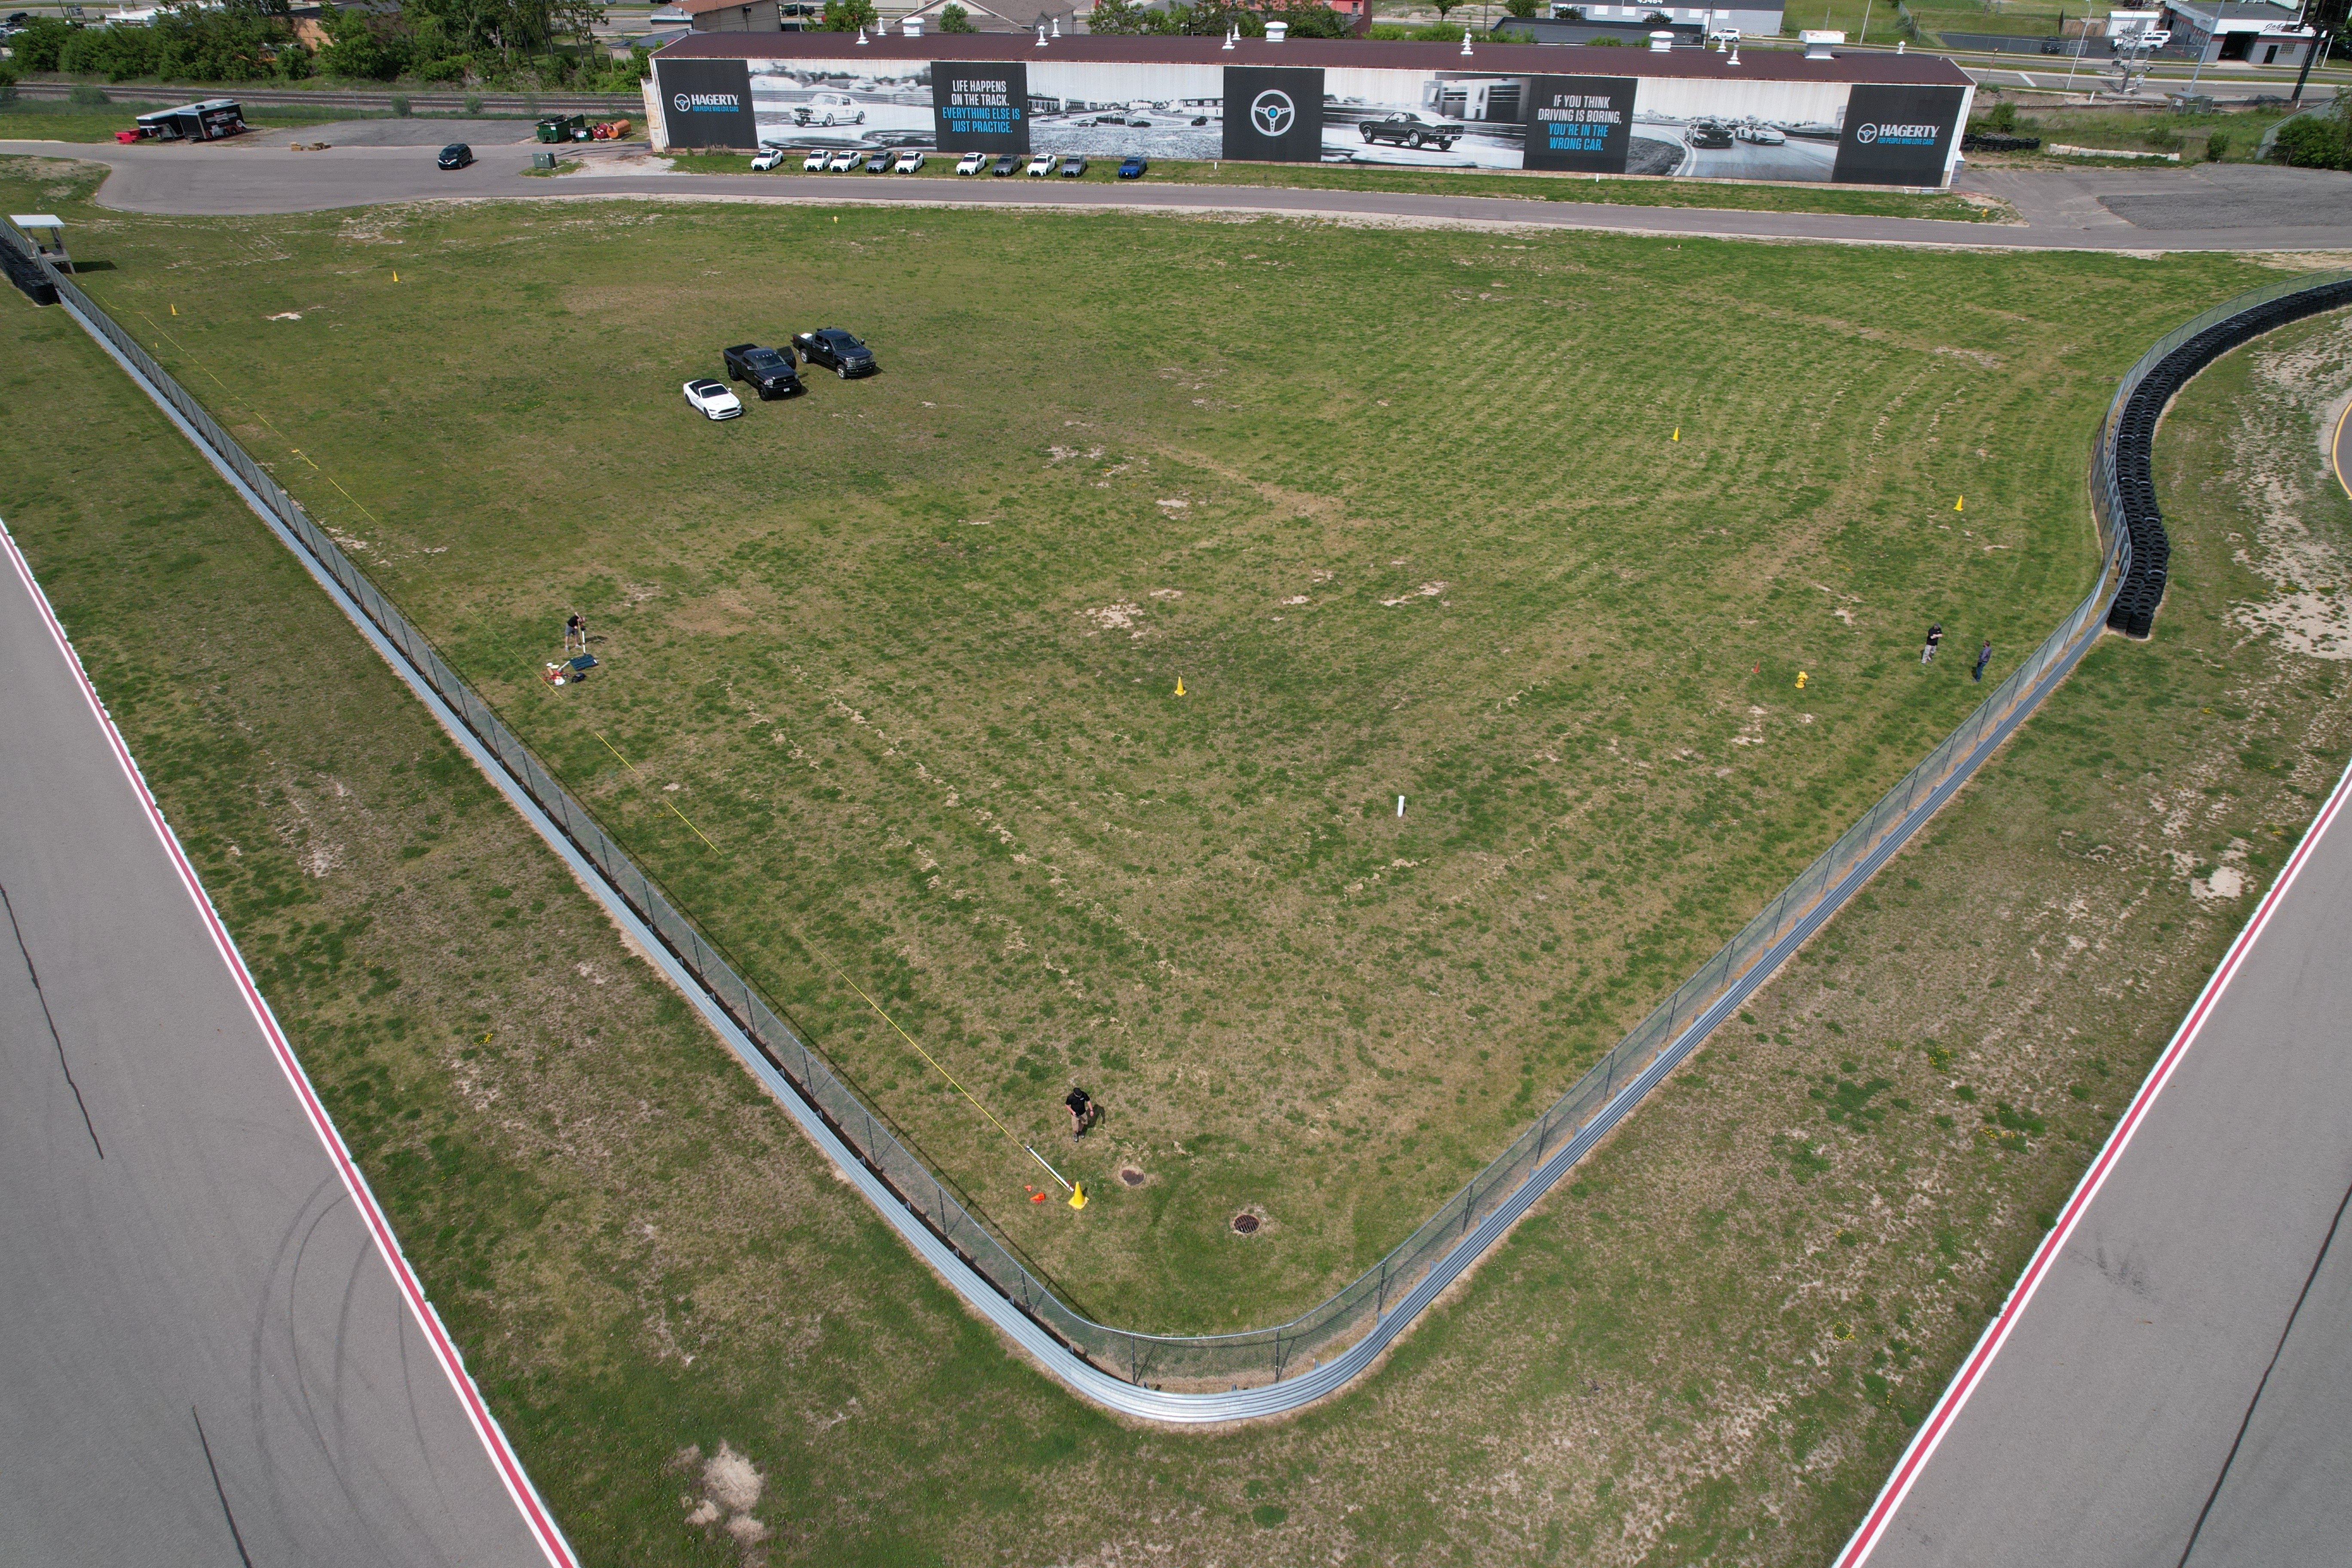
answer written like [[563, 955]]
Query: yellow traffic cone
[[1960, 503], [1180, 686], [395, 277], [175, 309], [1800, 680], [1078, 1197], [1678, 432]]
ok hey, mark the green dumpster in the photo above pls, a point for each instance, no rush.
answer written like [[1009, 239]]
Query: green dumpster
[[563, 128]]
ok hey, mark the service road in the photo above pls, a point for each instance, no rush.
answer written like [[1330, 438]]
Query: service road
[[205, 1357]]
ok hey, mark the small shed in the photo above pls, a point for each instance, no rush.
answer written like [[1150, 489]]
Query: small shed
[[47, 233]]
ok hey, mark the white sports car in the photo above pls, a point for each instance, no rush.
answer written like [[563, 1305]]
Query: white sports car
[[713, 399], [971, 164]]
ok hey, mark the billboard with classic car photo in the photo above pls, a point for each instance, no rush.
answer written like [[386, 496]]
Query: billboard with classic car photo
[[1687, 117]]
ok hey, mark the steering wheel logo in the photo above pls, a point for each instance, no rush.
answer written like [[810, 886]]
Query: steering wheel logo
[[683, 103], [1866, 135], [1272, 112]]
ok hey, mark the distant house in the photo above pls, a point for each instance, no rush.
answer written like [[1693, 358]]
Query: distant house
[[732, 15], [2258, 34], [1005, 16], [1582, 24]]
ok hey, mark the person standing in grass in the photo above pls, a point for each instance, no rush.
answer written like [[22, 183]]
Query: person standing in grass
[[1934, 636], [1984, 657], [1082, 1110], [575, 633]]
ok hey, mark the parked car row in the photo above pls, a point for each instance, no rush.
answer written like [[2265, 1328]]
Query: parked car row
[[847, 160], [911, 161], [775, 372]]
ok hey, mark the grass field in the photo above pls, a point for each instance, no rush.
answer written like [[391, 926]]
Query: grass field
[[1517, 184], [53, 120], [890, 696], [1708, 1348]]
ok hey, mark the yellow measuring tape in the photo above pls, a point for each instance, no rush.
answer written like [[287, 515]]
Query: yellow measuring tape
[[1078, 1194]]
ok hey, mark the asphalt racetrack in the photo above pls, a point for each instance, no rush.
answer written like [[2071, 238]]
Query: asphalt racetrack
[[2221, 207], [205, 1359], [2174, 1390]]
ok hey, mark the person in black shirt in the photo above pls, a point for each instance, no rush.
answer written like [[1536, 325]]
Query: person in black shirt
[[1934, 636], [1984, 657], [1082, 1110]]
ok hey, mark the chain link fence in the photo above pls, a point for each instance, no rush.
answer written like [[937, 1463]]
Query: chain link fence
[[1261, 1355]]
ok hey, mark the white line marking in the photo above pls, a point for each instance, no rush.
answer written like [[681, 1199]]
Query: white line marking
[[526, 1496], [1931, 1432]]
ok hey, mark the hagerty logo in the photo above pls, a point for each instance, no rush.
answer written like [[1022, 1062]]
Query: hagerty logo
[[706, 103], [1899, 135], [1272, 112]]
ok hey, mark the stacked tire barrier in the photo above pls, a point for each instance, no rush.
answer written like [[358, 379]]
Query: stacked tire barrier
[[2129, 444], [1195, 1378]]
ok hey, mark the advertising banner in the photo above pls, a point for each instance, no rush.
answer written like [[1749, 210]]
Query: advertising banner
[[981, 107], [1274, 114], [1687, 127], [1897, 135], [1584, 124], [707, 103]]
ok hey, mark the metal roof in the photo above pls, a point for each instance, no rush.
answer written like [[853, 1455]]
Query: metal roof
[[1335, 54]]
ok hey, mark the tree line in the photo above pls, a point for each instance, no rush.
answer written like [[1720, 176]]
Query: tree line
[[492, 43]]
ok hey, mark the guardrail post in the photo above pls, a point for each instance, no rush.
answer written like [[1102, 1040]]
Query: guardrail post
[[1380, 1301]]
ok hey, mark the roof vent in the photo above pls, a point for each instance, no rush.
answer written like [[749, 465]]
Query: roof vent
[[1277, 31], [1818, 43], [1661, 42], [911, 27]]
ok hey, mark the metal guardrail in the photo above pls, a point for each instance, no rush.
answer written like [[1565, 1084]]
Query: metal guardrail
[[1178, 1377]]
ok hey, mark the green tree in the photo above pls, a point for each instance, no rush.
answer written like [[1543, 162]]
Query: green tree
[[1313, 19], [848, 15], [356, 50], [1520, 8], [36, 49], [955, 19]]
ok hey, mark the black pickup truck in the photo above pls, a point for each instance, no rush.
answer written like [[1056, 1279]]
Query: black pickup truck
[[831, 346], [770, 370]]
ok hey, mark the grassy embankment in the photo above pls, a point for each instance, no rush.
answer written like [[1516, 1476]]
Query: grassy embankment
[[47, 120], [1708, 1348], [892, 665]]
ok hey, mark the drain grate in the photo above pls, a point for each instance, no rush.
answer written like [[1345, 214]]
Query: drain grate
[[1244, 1224]]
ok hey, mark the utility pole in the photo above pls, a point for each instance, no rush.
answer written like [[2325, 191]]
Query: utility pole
[[2327, 16]]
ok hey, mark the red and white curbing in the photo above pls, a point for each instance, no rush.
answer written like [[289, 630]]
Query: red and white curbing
[[542, 1524], [1924, 1444]]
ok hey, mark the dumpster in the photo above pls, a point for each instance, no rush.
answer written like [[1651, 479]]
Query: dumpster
[[563, 128]]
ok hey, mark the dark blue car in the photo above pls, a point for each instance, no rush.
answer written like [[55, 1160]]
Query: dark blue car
[[1133, 168]]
